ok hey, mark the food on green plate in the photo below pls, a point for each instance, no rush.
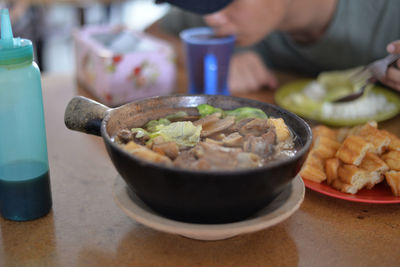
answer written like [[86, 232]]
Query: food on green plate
[[215, 139], [367, 106], [330, 85]]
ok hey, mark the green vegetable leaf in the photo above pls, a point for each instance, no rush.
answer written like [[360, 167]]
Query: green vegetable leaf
[[205, 110], [184, 133], [139, 132], [246, 112], [152, 125], [176, 116]]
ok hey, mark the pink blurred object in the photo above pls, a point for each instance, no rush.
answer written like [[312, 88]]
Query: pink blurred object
[[118, 65]]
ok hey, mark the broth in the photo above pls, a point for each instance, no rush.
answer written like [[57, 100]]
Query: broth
[[215, 139]]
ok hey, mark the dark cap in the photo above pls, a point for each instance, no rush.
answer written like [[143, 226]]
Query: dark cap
[[198, 6]]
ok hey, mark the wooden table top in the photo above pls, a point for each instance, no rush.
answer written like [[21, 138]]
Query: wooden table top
[[86, 228]]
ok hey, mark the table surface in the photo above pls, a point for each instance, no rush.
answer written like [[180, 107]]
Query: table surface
[[86, 228]]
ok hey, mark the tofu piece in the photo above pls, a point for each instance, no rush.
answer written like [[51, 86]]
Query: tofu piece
[[343, 187], [313, 168], [359, 161], [281, 129], [342, 133], [373, 163], [372, 135], [357, 129], [354, 177], [322, 130], [353, 150], [145, 153], [331, 170], [325, 147], [392, 159], [394, 140], [393, 180], [169, 149], [375, 168], [373, 124], [369, 173], [350, 174]]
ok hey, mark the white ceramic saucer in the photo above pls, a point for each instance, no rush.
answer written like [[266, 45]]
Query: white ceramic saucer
[[277, 211]]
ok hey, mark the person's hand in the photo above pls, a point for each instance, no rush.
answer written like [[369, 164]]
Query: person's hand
[[392, 77], [247, 73]]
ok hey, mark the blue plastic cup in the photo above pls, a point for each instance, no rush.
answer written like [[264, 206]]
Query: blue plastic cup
[[207, 60]]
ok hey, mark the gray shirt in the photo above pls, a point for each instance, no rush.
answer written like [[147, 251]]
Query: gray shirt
[[357, 35], [177, 20]]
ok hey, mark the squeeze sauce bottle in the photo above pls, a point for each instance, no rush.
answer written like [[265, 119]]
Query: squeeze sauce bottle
[[25, 192]]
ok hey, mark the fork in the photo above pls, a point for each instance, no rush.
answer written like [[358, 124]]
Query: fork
[[368, 74]]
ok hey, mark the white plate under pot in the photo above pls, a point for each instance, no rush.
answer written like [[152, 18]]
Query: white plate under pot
[[284, 205]]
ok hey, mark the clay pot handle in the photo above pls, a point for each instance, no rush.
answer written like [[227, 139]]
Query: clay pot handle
[[85, 115]]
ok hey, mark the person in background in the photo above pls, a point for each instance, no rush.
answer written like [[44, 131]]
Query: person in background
[[302, 36], [253, 73]]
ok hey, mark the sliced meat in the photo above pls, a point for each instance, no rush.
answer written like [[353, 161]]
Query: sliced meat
[[169, 149], [208, 156], [140, 138], [188, 160], [233, 140], [213, 141], [185, 158], [218, 136], [248, 160], [155, 141], [208, 119], [124, 136], [261, 145], [235, 127], [255, 127], [218, 157], [216, 127], [270, 137]]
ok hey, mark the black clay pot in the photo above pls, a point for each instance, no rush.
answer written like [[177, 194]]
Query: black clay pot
[[188, 195]]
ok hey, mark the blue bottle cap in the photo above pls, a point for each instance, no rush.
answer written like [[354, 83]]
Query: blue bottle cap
[[13, 50]]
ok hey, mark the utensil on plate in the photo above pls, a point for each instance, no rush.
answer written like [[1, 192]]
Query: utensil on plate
[[212, 196], [369, 74]]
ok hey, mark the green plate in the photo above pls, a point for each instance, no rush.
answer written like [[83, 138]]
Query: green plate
[[311, 109]]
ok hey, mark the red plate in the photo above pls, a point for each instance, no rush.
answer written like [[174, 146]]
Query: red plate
[[381, 193]]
